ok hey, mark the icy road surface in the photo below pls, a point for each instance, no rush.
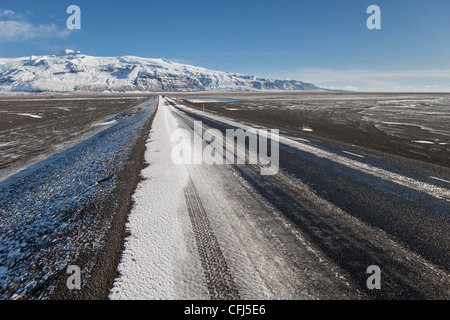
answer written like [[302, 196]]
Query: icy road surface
[[308, 232]]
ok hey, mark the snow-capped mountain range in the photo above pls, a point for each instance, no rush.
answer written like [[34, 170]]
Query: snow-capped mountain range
[[71, 71]]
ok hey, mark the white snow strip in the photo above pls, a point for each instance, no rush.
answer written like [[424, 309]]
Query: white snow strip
[[205, 100], [301, 139], [353, 154], [5, 144], [106, 123], [435, 191], [29, 115], [156, 251], [443, 180], [425, 142]]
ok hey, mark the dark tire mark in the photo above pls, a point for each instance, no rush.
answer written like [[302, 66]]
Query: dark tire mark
[[219, 280]]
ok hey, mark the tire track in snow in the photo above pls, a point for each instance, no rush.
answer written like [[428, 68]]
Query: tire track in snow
[[348, 240], [218, 277], [219, 280]]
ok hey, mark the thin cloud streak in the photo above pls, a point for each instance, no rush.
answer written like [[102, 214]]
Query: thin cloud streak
[[368, 80], [15, 28]]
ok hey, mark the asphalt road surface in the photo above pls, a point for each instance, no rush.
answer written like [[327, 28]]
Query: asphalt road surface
[[312, 230]]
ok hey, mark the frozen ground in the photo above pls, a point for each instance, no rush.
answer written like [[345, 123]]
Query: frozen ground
[[44, 222], [33, 129]]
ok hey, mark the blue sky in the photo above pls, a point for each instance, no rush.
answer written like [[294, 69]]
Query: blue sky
[[325, 42]]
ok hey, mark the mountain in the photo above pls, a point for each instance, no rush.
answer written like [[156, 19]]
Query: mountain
[[71, 71]]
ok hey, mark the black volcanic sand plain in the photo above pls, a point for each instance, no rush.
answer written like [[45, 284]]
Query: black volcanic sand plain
[[34, 128], [411, 125]]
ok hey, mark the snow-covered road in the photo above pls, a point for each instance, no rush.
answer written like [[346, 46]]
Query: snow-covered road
[[176, 205], [225, 232]]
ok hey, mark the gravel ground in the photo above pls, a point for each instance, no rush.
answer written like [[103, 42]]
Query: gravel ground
[[70, 209], [31, 130]]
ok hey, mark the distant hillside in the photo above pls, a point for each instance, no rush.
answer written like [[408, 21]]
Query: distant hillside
[[71, 71]]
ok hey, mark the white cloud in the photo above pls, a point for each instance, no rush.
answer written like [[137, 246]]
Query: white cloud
[[7, 13], [371, 80], [14, 27]]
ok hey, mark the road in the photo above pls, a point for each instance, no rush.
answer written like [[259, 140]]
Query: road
[[310, 231]]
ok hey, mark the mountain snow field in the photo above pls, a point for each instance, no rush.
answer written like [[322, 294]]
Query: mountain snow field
[[71, 71]]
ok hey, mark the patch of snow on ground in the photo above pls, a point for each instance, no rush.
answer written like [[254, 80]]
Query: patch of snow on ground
[[29, 115]]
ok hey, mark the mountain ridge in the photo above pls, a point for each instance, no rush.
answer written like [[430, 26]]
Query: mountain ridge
[[71, 71]]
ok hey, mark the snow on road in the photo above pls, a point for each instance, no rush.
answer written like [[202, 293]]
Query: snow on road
[[255, 252], [164, 255], [431, 189], [160, 244]]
